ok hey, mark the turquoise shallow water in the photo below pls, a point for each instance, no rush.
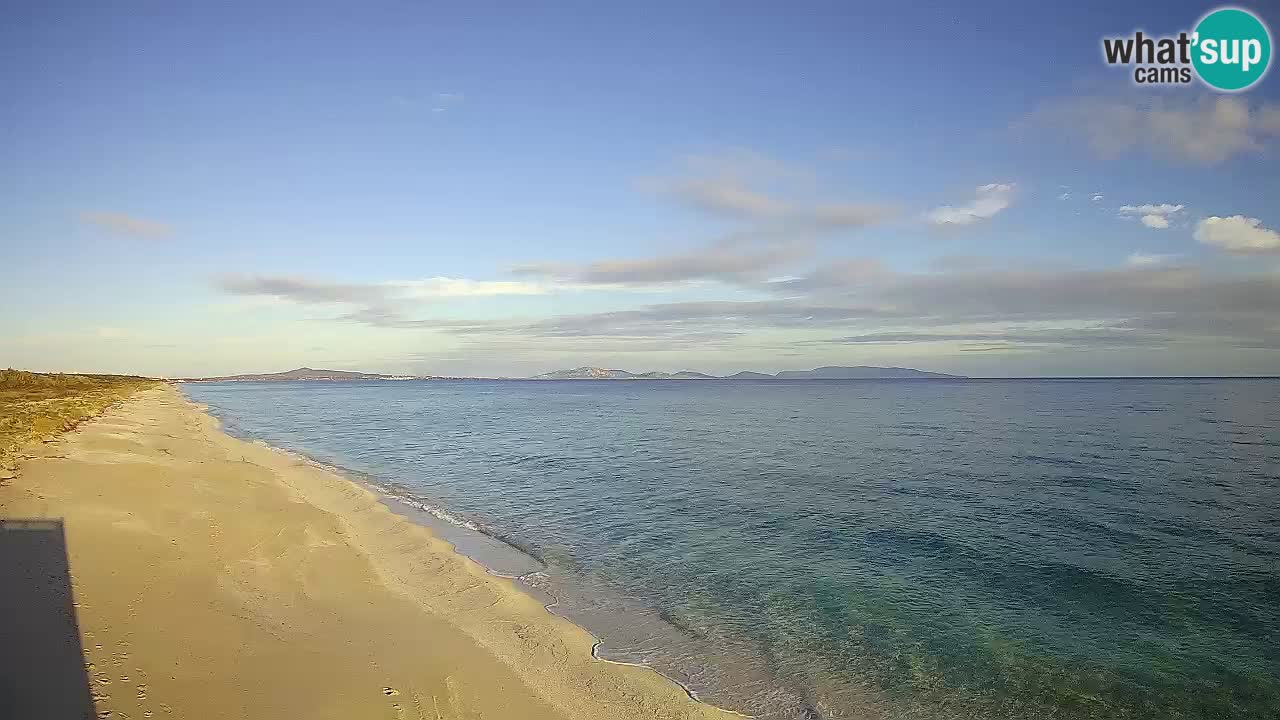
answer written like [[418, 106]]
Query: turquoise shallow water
[[842, 549]]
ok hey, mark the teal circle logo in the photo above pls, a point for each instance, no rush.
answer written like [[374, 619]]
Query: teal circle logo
[[1232, 49]]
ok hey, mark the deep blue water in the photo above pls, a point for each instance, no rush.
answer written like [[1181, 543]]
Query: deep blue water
[[950, 549]]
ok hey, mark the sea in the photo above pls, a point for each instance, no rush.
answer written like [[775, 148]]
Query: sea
[[1068, 548]]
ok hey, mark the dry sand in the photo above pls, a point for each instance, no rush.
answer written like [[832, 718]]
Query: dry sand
[[217, 578]]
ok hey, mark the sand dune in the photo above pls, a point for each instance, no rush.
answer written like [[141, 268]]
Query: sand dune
[[216, 578]]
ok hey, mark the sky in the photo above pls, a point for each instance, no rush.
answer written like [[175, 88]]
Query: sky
[[477, 189]]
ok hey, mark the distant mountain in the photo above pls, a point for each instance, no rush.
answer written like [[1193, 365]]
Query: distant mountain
[[593, 373], [692, 375], [585, 373], [858, 372], [822, 373], [303, 373]]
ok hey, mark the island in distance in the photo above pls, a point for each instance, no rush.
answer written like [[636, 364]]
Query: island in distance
[[829, 372], [595, 373], [303, 373]]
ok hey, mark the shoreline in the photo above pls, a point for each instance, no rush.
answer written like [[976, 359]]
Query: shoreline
[[321, 585], [456, 532]]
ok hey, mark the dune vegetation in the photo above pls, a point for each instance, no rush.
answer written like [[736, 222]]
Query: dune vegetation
[[37, 406]]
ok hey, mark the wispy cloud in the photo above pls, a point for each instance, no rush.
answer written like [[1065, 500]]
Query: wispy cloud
[[839, 216], [1091, 337], [745, 186], [775, 253], [1204, 130], [307, 290], [777, 230], [667, 319], [444, 101], [1142, 259], [1140, 305], [726, 196], [385, 304], [987, 202], [446, 287], [299, 289], [128, 225], [1152, 301], [734, 260]]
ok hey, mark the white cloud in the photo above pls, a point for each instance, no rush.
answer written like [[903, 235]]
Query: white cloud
[[464, 287], [1153, 216], [1162, 209], [1065, 196], [1097, 197], [989, 200], [1238, 234]]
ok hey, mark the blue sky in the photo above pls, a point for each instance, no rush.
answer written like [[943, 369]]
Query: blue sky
[[489, 190]]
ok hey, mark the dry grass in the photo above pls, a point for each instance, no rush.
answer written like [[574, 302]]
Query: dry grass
[[37, 406]]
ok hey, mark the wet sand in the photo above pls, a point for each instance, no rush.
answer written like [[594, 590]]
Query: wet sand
[[217, 578]]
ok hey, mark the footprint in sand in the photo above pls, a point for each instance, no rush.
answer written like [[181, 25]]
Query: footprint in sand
[[395, 706]]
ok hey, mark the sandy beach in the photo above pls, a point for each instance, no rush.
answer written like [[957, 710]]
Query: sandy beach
[[218, 578]]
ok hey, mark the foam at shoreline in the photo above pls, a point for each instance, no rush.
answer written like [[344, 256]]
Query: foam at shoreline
[[505, 558], [221, 578], [870, 548]]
